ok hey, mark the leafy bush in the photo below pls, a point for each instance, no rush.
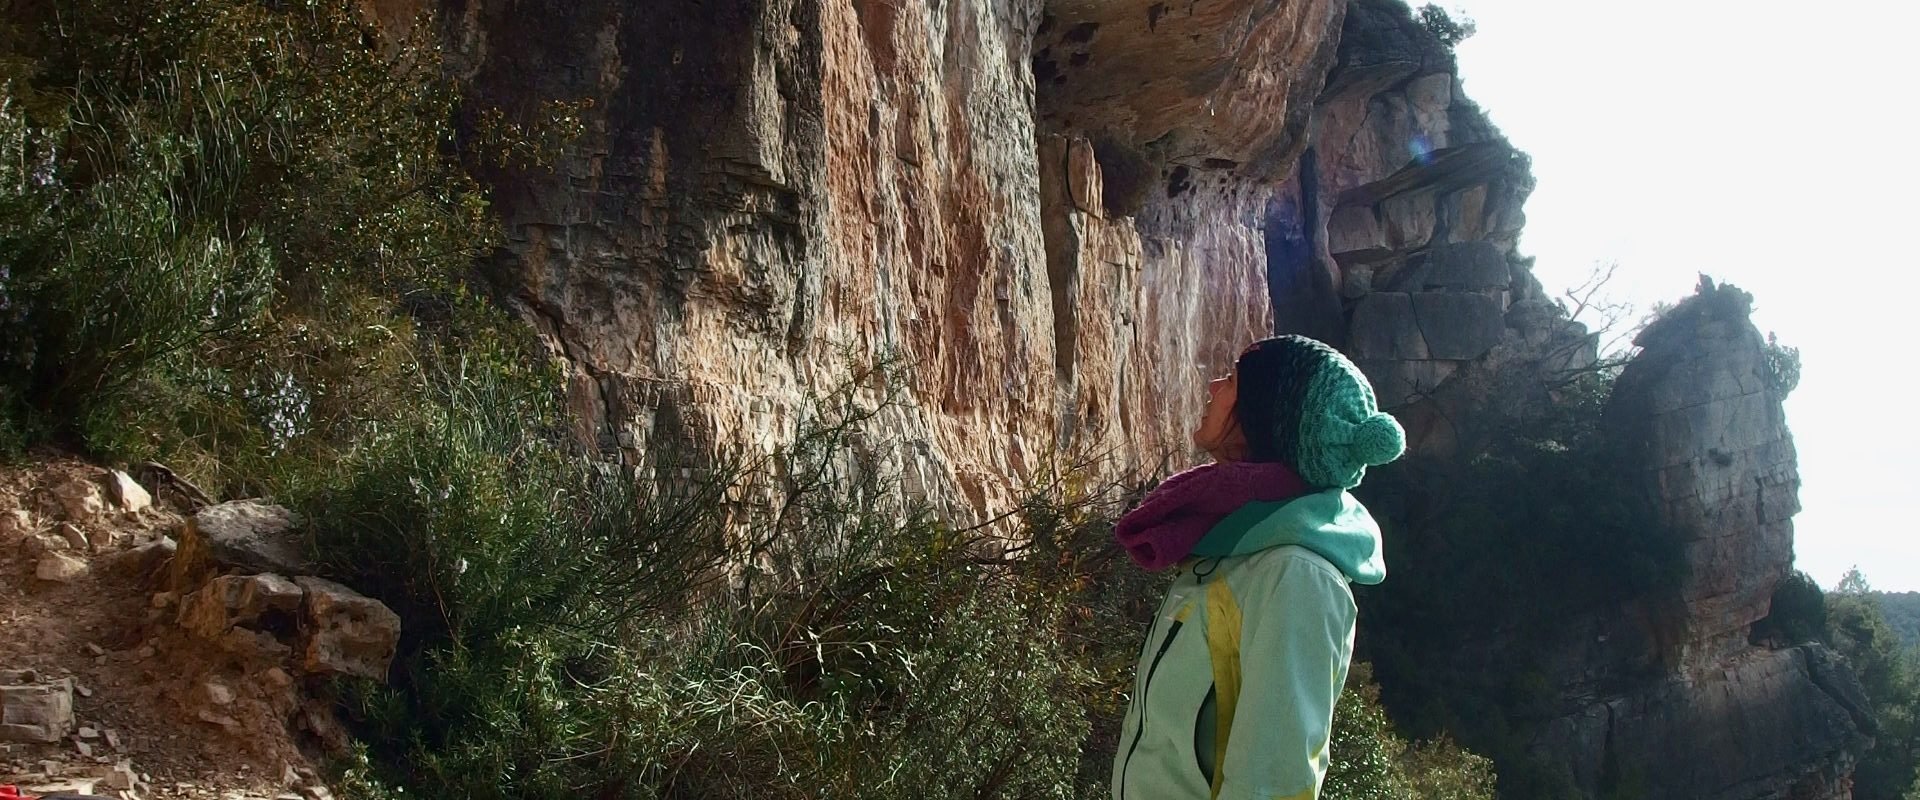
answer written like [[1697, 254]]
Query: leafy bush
[[1783, 367], [227, 204], [870, 650], [1370, 761], [568, 630]]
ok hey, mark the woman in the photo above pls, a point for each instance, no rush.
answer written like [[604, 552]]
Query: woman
[[1234, 693]]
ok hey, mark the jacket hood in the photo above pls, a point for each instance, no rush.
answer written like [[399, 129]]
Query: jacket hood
[[1333, 524]]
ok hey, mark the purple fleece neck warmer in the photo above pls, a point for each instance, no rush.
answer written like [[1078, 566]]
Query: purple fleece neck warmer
[[1179, 512]]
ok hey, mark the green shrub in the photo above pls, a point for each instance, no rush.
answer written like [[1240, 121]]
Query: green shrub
[[108, 275], [1798, 613], [1783, 367], [221, 211], [1902, 610], [1548, 521], [889, 656], [1370, 761], [568, 631]]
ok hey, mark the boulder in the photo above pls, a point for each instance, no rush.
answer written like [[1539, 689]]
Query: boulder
[[247, 615], [79, 499], [144, 561], [75, 538], [59, 568], [128, 494], [41, 543], [101, 538], [15, 523], [122, 778], [244, 535], [217, 693], [347, 632], [33, 710]]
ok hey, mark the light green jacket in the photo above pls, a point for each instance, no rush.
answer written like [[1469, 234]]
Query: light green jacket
[[1233, 697]]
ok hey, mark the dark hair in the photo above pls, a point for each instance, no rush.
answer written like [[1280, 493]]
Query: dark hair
[[1273, 377]]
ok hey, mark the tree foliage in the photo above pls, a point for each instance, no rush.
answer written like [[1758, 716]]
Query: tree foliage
[[1451, 32], [1547, 523], [1902, 610], [1783, 367], [1890, 676]]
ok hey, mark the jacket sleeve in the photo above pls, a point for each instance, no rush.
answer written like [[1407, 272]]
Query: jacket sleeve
[[1295, 643]]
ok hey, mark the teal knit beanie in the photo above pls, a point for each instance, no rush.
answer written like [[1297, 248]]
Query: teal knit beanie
[[1304, 404]]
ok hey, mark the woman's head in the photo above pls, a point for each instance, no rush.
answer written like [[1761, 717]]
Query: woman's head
[[1297, 401]]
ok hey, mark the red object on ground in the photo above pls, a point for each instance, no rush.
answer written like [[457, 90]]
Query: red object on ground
[[12, 792]]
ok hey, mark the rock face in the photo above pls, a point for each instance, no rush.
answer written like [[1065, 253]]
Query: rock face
[[1062, 216], [768, 188], [1759, 724], [1059, 235]]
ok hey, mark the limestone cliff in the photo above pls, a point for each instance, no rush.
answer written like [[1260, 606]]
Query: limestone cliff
[[1063, 215], [1699, 407]]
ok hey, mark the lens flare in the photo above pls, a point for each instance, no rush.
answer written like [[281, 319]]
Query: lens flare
[[1421, 148]]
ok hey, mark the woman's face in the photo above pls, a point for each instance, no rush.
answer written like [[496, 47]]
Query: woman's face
[[1219, 433]]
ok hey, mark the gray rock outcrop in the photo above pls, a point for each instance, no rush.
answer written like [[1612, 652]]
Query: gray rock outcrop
[[1701, 405], [246, 535], [1722, 718]]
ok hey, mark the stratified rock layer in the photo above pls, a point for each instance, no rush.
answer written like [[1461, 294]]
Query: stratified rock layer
[[1702, 403]]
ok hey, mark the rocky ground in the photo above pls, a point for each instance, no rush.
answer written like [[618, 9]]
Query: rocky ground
[[133, 667]]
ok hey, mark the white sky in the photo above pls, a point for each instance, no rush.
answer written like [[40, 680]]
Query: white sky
[[1772, 145]]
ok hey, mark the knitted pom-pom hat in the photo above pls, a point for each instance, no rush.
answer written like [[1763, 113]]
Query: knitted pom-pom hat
[[1302, 403]]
